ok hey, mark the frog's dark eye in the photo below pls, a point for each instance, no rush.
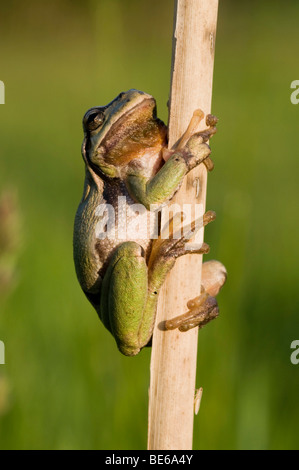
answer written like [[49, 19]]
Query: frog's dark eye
[[94, 120]]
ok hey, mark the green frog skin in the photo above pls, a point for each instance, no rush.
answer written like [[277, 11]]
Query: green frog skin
[[126, 156]]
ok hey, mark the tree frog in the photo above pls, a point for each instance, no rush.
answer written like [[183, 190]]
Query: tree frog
[[127, 162]]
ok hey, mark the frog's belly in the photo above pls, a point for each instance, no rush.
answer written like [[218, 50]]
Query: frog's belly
[[124, 220]]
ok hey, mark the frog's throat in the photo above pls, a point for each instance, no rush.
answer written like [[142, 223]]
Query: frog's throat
[[144, 110]]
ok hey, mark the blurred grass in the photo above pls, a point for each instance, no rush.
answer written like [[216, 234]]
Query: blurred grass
[[69, 386]]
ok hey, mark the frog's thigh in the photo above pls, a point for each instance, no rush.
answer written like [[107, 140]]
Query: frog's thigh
[[124, 296]]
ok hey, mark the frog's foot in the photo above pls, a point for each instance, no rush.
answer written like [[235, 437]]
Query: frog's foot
[[213, 277], [170, 247], [192, 129], [191, 139], [203, 308]]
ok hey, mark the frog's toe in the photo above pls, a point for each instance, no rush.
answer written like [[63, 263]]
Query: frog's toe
[[213, 276], [202, 310]]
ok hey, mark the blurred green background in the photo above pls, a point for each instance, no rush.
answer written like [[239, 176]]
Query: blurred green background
[[64, 384]]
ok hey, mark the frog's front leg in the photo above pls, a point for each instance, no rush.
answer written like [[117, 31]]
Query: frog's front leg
[[165, 183]]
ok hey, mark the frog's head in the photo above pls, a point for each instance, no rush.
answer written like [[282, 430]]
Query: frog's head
[[121, 131]]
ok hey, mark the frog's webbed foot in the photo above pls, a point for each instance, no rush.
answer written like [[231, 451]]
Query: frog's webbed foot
[[203, 308]]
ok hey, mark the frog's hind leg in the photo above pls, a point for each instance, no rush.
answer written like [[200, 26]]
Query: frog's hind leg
[[203, 308], [123, 296], [163, 255]]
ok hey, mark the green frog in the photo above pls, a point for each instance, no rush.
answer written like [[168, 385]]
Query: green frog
[[128, 165]]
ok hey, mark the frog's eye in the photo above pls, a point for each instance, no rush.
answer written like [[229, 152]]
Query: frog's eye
[[94, 120]]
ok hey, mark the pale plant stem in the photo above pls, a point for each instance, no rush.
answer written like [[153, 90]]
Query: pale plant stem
[[174, 354]]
